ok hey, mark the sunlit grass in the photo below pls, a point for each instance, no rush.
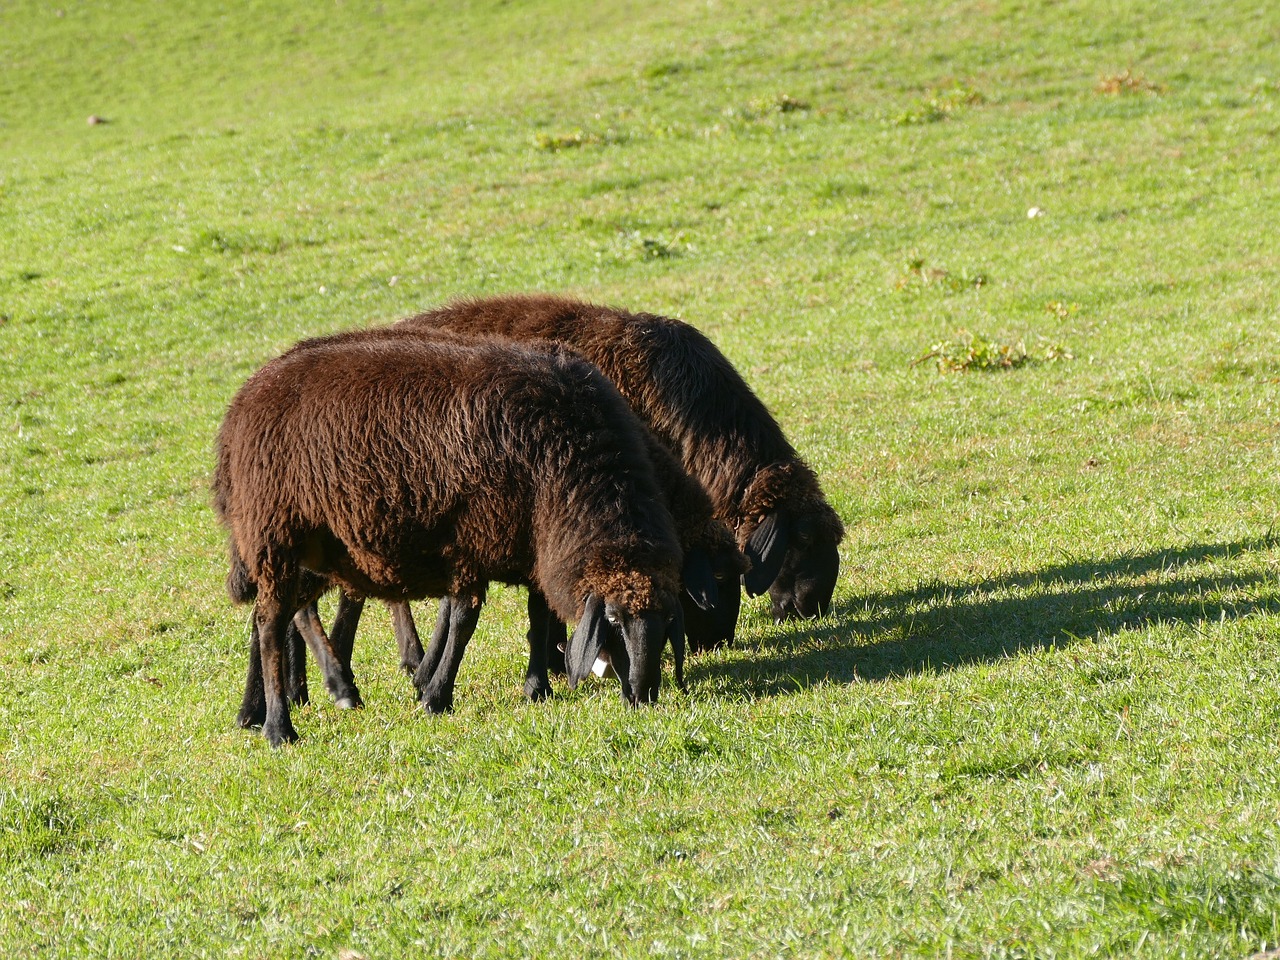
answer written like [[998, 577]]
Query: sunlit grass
[[1042, 718]]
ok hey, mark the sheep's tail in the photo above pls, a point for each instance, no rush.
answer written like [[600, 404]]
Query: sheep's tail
[[240, 586]]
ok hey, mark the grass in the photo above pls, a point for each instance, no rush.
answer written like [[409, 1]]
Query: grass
[[1042, 719]]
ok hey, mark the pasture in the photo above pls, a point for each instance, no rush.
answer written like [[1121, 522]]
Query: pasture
[[1006, 273]]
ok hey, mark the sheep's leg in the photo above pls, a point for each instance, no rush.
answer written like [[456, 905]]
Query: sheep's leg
[[253, 706], [537, 686], [295, 651], [557, 637], [345, 622], [271, 617], [338, 678], [435, 648], [406, 637], [436, 688]]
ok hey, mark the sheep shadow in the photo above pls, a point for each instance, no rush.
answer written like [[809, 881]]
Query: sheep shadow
[[939, 626]]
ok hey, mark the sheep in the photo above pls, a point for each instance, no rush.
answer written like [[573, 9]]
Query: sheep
[[685, 389], [713, 564], [402, 467]]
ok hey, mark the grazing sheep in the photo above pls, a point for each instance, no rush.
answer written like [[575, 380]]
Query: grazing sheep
[[402, 467], [712, 566], [695, 401]]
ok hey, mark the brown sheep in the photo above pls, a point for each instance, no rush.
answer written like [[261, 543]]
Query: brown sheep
[[402, 468], [712, 566], [685, 389]]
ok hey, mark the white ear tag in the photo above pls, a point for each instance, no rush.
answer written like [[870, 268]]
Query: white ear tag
[[603, 668]]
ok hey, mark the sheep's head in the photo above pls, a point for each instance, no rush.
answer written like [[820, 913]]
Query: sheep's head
[[790, 537], [711, 598], [797, 561], [631, 638]]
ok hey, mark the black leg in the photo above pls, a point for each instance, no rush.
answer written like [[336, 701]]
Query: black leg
[[436, 687], [345, 622], [557, 637], [406, 637], [295, 659], [337, 675], [435, 647], [537, 686], [253, 707], [272, 616]]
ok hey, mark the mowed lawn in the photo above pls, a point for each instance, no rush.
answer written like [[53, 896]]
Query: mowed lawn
[[1008, 275]]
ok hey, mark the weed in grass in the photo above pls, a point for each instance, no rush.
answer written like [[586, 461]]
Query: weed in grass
[[762, 108], [231, 242], [917, 273], [634, 245], [1053, 351], [556, 142], [36, 826], [970, 351], [839, 188], [779, 103], [1126, 82], [664, 68], [1241, 900], [942, 104], [559, 142], [1061, 310]]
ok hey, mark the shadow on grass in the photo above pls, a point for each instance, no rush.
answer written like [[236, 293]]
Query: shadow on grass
[[941, 626]]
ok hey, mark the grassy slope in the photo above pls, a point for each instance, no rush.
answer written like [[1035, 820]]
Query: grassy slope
[[1043, 718]]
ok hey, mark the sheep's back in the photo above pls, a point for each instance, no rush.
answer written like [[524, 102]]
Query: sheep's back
[[674, 378]]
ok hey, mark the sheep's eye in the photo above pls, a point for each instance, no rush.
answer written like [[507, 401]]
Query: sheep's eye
[[612, 617]]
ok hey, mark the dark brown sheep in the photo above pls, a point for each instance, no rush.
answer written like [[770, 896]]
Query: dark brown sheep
[[695, 401], [402, 468], [712, 566]]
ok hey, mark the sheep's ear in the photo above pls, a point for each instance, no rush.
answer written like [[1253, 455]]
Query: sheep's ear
[[587, 641], [700, 579], [677, 646], [765, 548]]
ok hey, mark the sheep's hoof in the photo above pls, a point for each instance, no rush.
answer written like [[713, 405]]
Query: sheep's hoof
[[299, 697], [251, 716], [280, 733], [410, 666], [437, 703], [537, 688], [349, 703]]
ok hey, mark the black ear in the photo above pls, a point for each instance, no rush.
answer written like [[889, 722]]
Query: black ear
[[677, 647], [587, 640], [765, 548], [700, 579]]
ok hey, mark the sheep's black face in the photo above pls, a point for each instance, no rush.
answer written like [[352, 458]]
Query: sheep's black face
[[807, 580], [712, 628], [711, 599], [634, 647], [631, 641]]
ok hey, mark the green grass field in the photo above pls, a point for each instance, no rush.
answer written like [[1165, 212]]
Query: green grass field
[[1043, 718]]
